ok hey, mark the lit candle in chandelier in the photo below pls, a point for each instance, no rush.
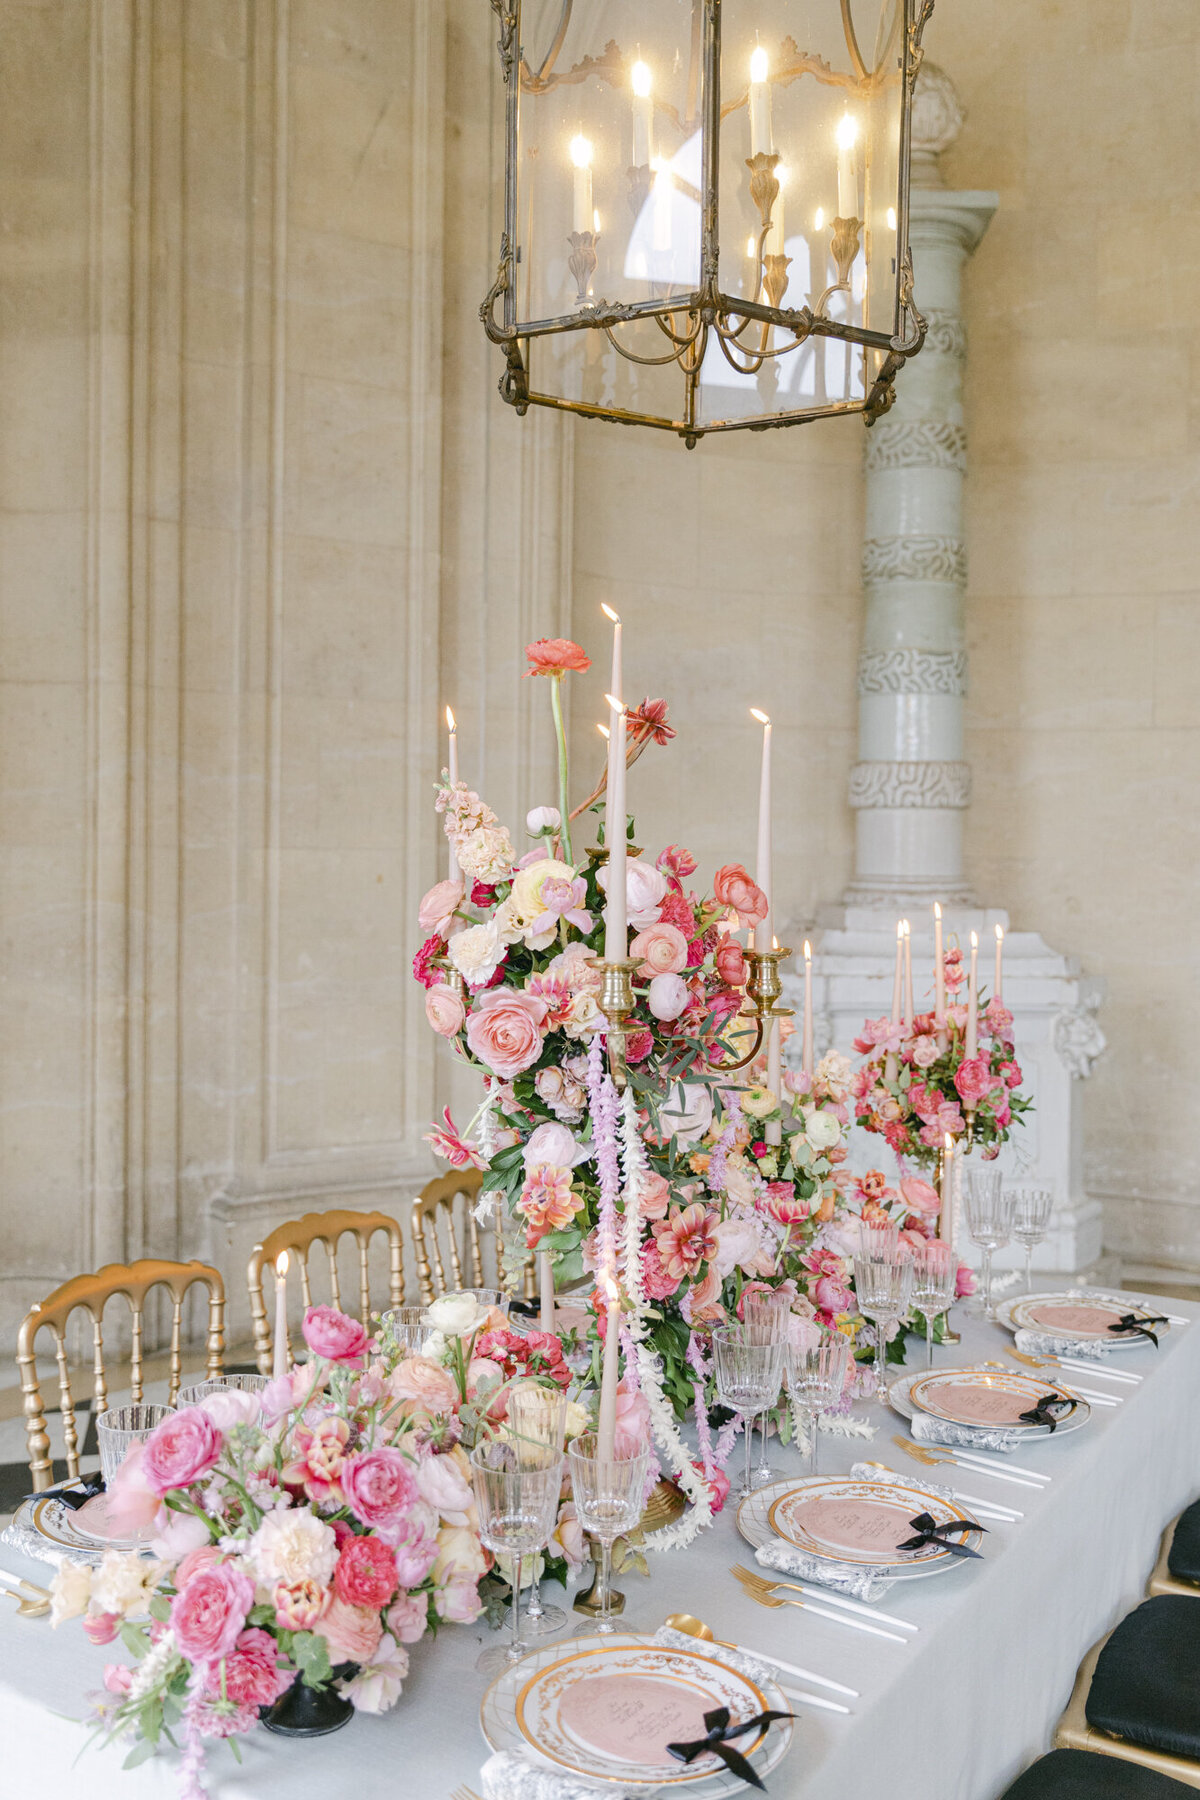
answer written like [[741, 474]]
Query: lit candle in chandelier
[[773, 1131], [972, 1044], [998, 989], [847, 167], [891, 1064], [452, 765], [807, 1060], [581, 157], [643, 114], [762, 931], [280, 1364], [616, 930], [760, 104]]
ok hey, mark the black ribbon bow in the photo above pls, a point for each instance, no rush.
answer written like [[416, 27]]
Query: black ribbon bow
[[1131, 1322], [930, 1532], [1043, 1413], [74, 1494], [718, 1732]]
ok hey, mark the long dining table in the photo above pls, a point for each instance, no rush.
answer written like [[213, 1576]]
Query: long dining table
[[953, 1714]]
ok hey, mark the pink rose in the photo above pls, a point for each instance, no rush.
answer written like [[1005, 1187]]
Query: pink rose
[[633, 1420], [832, 1296], [365, 1573], [457, 1601], [1011, 1072], [731, 963], [118, 1679], [965, 1283], [504, 1030], [668, 996], [101, 1628], [436, 912], [180, 1450], [210, 1611], [206, 1556], [421, 1379], [973, 1079], [924, 1051], [662, 949], [445, 1010], [717, 1484], [251, 1676], [733, 887], [351, 1632], [334, 1335], [920, 1197], [408, 1618], [299, 1607], [380, 1489]]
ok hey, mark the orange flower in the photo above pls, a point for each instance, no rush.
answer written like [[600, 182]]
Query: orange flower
[[547, 1201], [555, 656], [686, 1239]]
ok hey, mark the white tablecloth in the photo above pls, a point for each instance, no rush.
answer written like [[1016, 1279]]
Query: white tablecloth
[[954, 1716]]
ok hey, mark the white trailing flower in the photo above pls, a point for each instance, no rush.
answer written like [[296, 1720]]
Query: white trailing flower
[[149, 1673]]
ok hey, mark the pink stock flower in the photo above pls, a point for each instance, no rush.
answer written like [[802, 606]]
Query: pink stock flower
[[955, 974], [185, 1446], [334, 1335], [731, 963], [445, 1010], [686, 1239], [547, 1201], [351, 1632], [380, 1489], [999, 1020], [446, 1142], [920, 1197], [423, 969], [675, 910], [251, 1676], [504, 1030], [435, 915], [732, 886], [556, 656], [318, 1452], [676, 862], [633, 1420], [973, 1079], [365, 1573], [662, 949], [209, 1612]]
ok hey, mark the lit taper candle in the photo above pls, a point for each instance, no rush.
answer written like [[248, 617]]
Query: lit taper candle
[[581, 157], [847, 166], [998, 989], [545, 1291], [760, 103], [939, 969], [641, 81], [762, 931], [807, 1055], [280, 1364], [616, 687], [908, 985], [610, 1374], [616, 929], [972, 1044], [452, 765]]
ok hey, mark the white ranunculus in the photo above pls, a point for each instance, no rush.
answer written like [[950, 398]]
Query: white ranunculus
[[456, 1315], [821, 1129], [293, 1545], [645, 891], [687, 1114], [542, 818], [555, 1144], [121, 1583], [70, 1591], [668, 996], [477, 952], [233, 1406]]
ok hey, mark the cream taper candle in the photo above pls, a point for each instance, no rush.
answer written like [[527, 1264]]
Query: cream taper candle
[[545, 1291], [972, 1044], [763, 875], [610, 1374], [616, 930], [280, 1364]]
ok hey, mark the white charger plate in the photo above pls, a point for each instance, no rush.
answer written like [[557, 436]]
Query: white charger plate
[[777, 1511], [900, 1398], [1019, 1315], [528, 1708]]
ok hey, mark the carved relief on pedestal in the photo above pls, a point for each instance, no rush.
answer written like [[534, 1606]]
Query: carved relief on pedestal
[[915, 559], [917, 444], [1078, 1038], [946, 333], [929, 784], [912, 672]]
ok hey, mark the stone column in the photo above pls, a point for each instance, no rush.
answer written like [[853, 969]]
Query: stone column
[[911, 784]]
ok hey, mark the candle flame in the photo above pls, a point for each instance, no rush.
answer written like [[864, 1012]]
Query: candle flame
[[581, 152], [999, 934], [847, 132], [807, 951], [937, 909], [907, 928], [949, 1145], [450, 720], [819, 221], [608, 612], [900, 929], [760, 67], [891, 218], [774, 943], [640, 80], [762, 717], [595, 224], [281, 1265], [611, 1288], [603, 730], [974, 940], [618, 706]]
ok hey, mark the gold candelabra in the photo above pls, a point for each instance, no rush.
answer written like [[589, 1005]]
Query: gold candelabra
[[616, 1003]]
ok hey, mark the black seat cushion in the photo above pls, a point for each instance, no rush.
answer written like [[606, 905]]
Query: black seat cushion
[[1183, 1558], [1146, 1688], [1082, 1775]]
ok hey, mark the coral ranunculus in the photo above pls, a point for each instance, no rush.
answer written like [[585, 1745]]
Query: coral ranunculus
[[556, 656], [734, 887], [365, 1573], [504, 1030], [663, 949], [444, 1010]]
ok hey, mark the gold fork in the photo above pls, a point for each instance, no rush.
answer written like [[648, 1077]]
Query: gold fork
[[751, 1577], [759, 1590], [464, 1793]]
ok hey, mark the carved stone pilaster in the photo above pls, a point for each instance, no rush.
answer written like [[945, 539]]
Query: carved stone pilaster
[[936, 784], [947, 335], [1077, 1037], [912, 672], [917, 444], [915, 559]]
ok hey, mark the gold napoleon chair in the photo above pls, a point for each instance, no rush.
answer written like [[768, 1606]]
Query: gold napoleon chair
[[433, 1221], [1108, 1736], [297, 1237], [92, 1293]]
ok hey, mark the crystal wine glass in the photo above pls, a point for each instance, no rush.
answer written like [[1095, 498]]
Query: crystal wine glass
[[120, 1428], [749, 1368], [1031, 1220], [516, 1485], [817, 1366], [407, 1327], [769, 1312], [539, 1415], [882, 1285], [935, 1285], [989, 1221], [609, 1494]]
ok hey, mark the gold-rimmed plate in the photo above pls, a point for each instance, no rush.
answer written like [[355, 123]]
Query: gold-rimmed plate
[[1082, 1317], [46, 1528], [605, 1709], [993, 1399], [837, 1519]]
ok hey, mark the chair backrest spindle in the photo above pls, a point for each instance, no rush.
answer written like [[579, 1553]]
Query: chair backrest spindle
[[297, 1237]]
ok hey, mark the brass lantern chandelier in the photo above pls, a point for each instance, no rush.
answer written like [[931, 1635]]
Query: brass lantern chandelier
[[706, 209]]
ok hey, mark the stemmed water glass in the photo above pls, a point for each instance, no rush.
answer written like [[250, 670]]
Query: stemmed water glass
[[989, 1221], [882, 1286], [517, 1485], [768, 1312], [1031, 1220], [748, 1360], [816, 1366], [935, 1285], [539, 1415], [609, 1494]]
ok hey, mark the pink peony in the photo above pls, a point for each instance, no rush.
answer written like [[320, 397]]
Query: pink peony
[[299, 1607], [209, 1612], [668, 997], [334, 1335], [251, 1676], [445, 1488], [421, 1379], [408, 1618], [657, 1283], [633, 1420], [504, 1030], [365, 1573], [351, 1632], [731, 963], [436, 912], [832, 1295], [185, 1446], [380, 1489], [734, 887], [920, 1197], [973, 1079], [445, 1010], [556, 656], [662, 949]]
